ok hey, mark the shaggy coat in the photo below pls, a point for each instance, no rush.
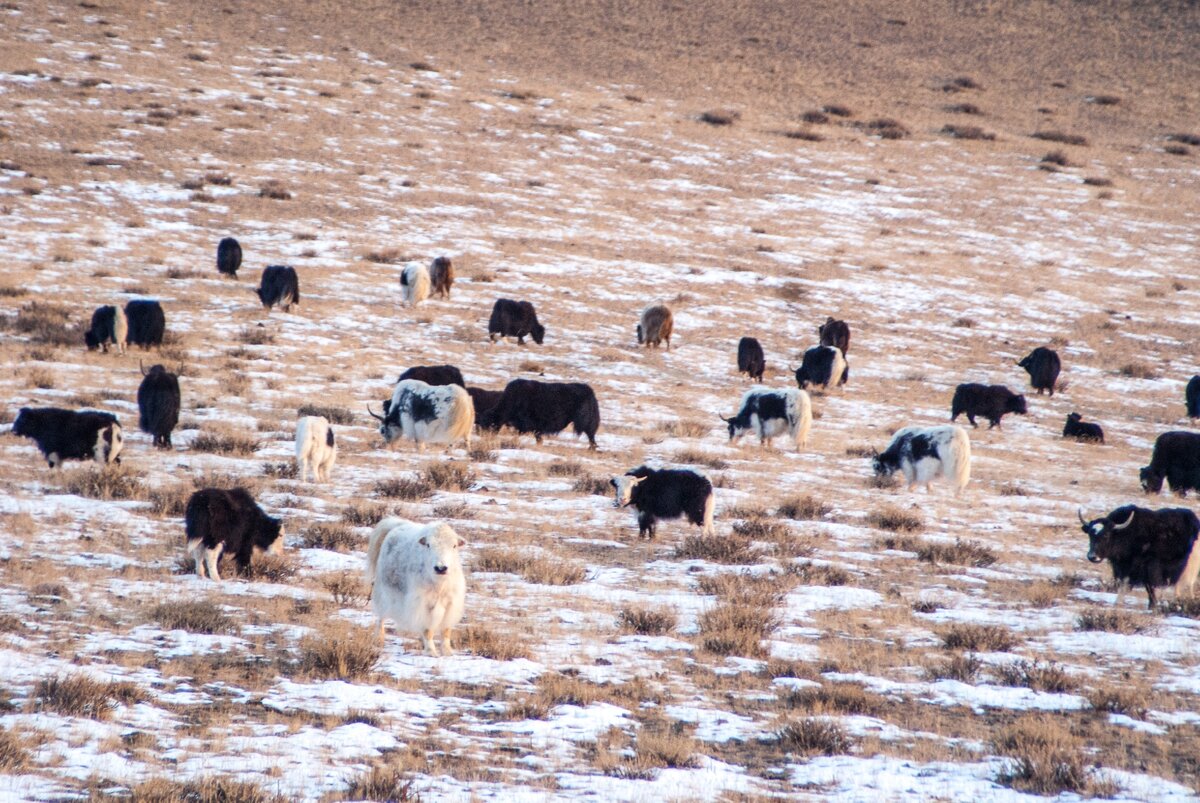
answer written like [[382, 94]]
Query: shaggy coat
[[414, 284], [514, 319], [159, 402], [751, 360], [925, 453], [992, 402], [822, 365], [279, 286], [428, 414], [229, 257], [1191, 397], [656, 326], [485, 401], [434, 375], [1148, 548], [441, 276], [546, 408], [218, 520], [416, 580], [1043, 366], [1081, 430], [835, 333], [109, 325], [1176, 459], [147, 323], [665, 494], [768, 413], [315, 446], [69, 435]]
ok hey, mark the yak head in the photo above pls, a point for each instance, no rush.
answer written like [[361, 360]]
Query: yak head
[[881, 465], [389, 424], [1102, 533], [538, 331], [1152, 480], [439, 552], [1016, 404], [624, 485], [802, 377]]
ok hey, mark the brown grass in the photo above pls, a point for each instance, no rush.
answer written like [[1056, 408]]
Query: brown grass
[[194, 616], [967, 132], [479, 640], [382, 783], [534, 568], [227, 443], [197, 790], [340, 652], [449, 476], [717, 548], [978, 638], [275, 190], [814, 737], [720, 117], [332, 536], [110, 482], [363, 514], [596, 486], [335, 415], [803, 508], [895, 519], [1045, 759], [14, 758], [1107, 620], [698, 457], [1060, 136], [1037, 675], [647, 621], [407, 488], [271, 568], [79, 695], [347, 588], [736, 629]]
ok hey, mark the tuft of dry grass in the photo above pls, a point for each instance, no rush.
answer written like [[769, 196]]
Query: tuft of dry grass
[[1138, 370], [382, 783], [194, 616], [685, 428], [363, 514], [803, 508], [967, 132], [46, 324], [255, 336], [228, 443], [720, 116], [275, 190], [814, 737], [14, 758], [737, 629], [485, 643], [79, 695], [1045, 758], [963, 108], [647, 621], [1119, 699], [347, 588], [406, 488], [731, 549], [895, 519], [887, 128], [820, 574], [1037, 675], [335, 415], [534, 568], [329, 535], [448, 476], [803, 135], [596, 486], [1060, 136], [1107, 620], [837, 110], [109, 482], [281, 471], [698, 457], [340, 652], [836, 698], [963, 668], [978, 638], [199, 790], [271, 568]]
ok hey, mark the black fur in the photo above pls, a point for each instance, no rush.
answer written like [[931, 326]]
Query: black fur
[[147, 323], [329, 437], [515, 319], [233, 518], [668, 494], [750, 359], [817, 368], [103, 329], [229, 256], [485, 401], [835, 333], [441, 276], [546, 408], [904, 448], [766, 405], [70, 434], [1043, 366], [1079, 429], [435, 375], [279, 287], [1176, 459], [992, 402], [1192, 397], [158, 405], [1151, 551]]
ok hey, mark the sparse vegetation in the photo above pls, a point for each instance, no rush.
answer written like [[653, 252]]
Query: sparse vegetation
[[80, 695], [479, 640], [720, 117], [647, 621], [895, 519], [330, 535], [274, 189], [697, 457], [1060, 136], [815, 737], [534, 568], [967, 132], [717, 548], [978, 638], [340, 652], [228, 443], [804, 508], [407, 488], [1108, 620], [194, 616], [335, 415]]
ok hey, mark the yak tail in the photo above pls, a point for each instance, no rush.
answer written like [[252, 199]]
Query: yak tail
[[462, 418], [709, 504], [958, 462], [376, 544], [1187, 580], [799, 417]]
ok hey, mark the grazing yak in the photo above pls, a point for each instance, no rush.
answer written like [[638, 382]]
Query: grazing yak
[[218, 520], [1176, 458], [546, 408], [835, 333], [1082, 430], [485, 401], [655, 326], [751, 360], [1150, 548], [925, 453], [1043, 366], [434, 375], [414, 284], [666, 493], [514, 319], [992, 402], [109, 325], [159, 402], [1191, 397], [822, 365], [147, 323], [279, 286], [427, 414], [441, 276], [768, 413], [71, 435], [416, 579], [315, 446], [229, 257]]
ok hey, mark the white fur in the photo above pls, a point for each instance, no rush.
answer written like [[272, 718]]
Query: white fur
[[207, 559], [454, 410], [1187, 580], [401, 557], [709, 504], [120, 329], [623, 486], [101, 453], [417, 284], [312, 431], [796, 425], [953, 461]]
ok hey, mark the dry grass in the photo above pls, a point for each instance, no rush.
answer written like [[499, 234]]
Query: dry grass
[[967, 132], [194, 616], [275, 190], [347, 588], [596, 486], [14, 758], [895, 519], [340, 652], [1107, 620], [720, 117], [647, 621], [731, 549], [335, 415], [272, 568], [963, 668], [226, 443], [737, 629], [486, 643], [698, 457], [382, 783], [110, 482], [406, 488], [79, 695], [836, 698], [1060, 136], [196, 790], [814, 737], [363, 514], [685, 428], [1037, 675], [534, 568], [803, 508], [170, 501], [449, 476], [1045, 759], [1119, 699], [978, 638], [332, 536]]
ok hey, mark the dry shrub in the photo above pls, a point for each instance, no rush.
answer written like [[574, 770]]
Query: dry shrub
[[170, 502], [967, 132], [1045, 757], [720, 116], [887, 128], [347, 588], [448, 476], [200, 790], [406, 488], [895, 519], [763, 590], [363, 514], [860, 450], [46, 324], [836, 698], [700, 458], [1128, 700], [978, 638], [331, 536], [963, 108], [963, 668], [271, 568], [1097, 181], [820, 574], [14, 758], [664, 744], [478, 640], [1012, 489], [961, 553], [883, 482], [194, 616], [281, 471], [9, 291], [1056, 158], [814, 737], [815, 116], [42, 378], [596, 486], [1104, 100], [454, 510], [964, 322], [81, 696], [535, 569], [737, 629], [109, 482], [340, 652], [961, 83], [837, 110], [1138, 370], [229, 443], [1189, 607], [647, 621], [274, 189], [685, 428], [255, 336], [1059, 136], [335, 415], [1108, 621], [384, 783], [803, 135], [761, 529], [566, 468], [1037, 675], [803, 508], [717, 548]]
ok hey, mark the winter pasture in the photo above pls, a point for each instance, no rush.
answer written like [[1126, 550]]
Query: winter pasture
[[961, 183]]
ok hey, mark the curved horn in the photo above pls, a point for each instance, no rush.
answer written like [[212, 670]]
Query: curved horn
[[1128, 521], [373, 414], [1082, 520], [141, 367]]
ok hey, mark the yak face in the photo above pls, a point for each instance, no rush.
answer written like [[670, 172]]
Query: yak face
[[1017, 405], [538, 331], [439, 552], [623, 487], [882, 466], [1102, 536], [1152, 481], [641, 337], [109, 442], [269, 537]]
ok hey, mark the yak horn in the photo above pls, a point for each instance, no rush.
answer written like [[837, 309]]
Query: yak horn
[[1128, 521], [373, 414], [1082, 520], [142, 367]]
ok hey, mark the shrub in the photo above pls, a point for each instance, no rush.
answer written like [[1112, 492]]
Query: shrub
[[760, 529], [1045, 758], [1104, 100], [963, 108], [200, 790], [804, 135], [895, 519], [46, 324], [449, 476], [979, 638], [596, 486], [813, 737], [820, 574], [14, 758], [335, 415], [194, 616], [363, 514], [837, 110], [346, 588], [275, 190], [81, 696], [405, 488], [535, 569], [331, 536], [255, 336], [720, 117], [1127, 700], [271, 568], [340, 652], [225, 443], [718, 548], [485, 643], [963, 553], [281, 471], [1059, 136], [380, 783], [836, 698], [815, 116], [647, 621], [1056, 158], [664, 745], [963, 668], [1037, 675], [700, 458], [967, 132], [1108, 621], [736, 629], [887, 128], [803, 508], [1138, 370], [110, 482]]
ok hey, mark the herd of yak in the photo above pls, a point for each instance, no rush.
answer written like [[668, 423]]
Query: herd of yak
[[433, 404]]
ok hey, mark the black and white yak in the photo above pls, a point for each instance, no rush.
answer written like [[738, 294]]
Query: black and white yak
[[414, 284], [435, 375], [1043, 366], [159, 402], [666, 493], [1191, 397], [427, 414], [441, 276], [835, 333], [822, 365], [655, 326], [147, 322], [750, 359], [71, 435], [229, 257], [109, 326], [1176, 459], [514, 319], [546, 408], [992, 402], [1082, 430], [485, 401], [228, 521], [923, 454], [315, 447], [1148, 548], [768, 413], [279, 286]]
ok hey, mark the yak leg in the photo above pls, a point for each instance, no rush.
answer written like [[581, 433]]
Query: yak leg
[[448, 641], [428, 643], [211, 558]]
